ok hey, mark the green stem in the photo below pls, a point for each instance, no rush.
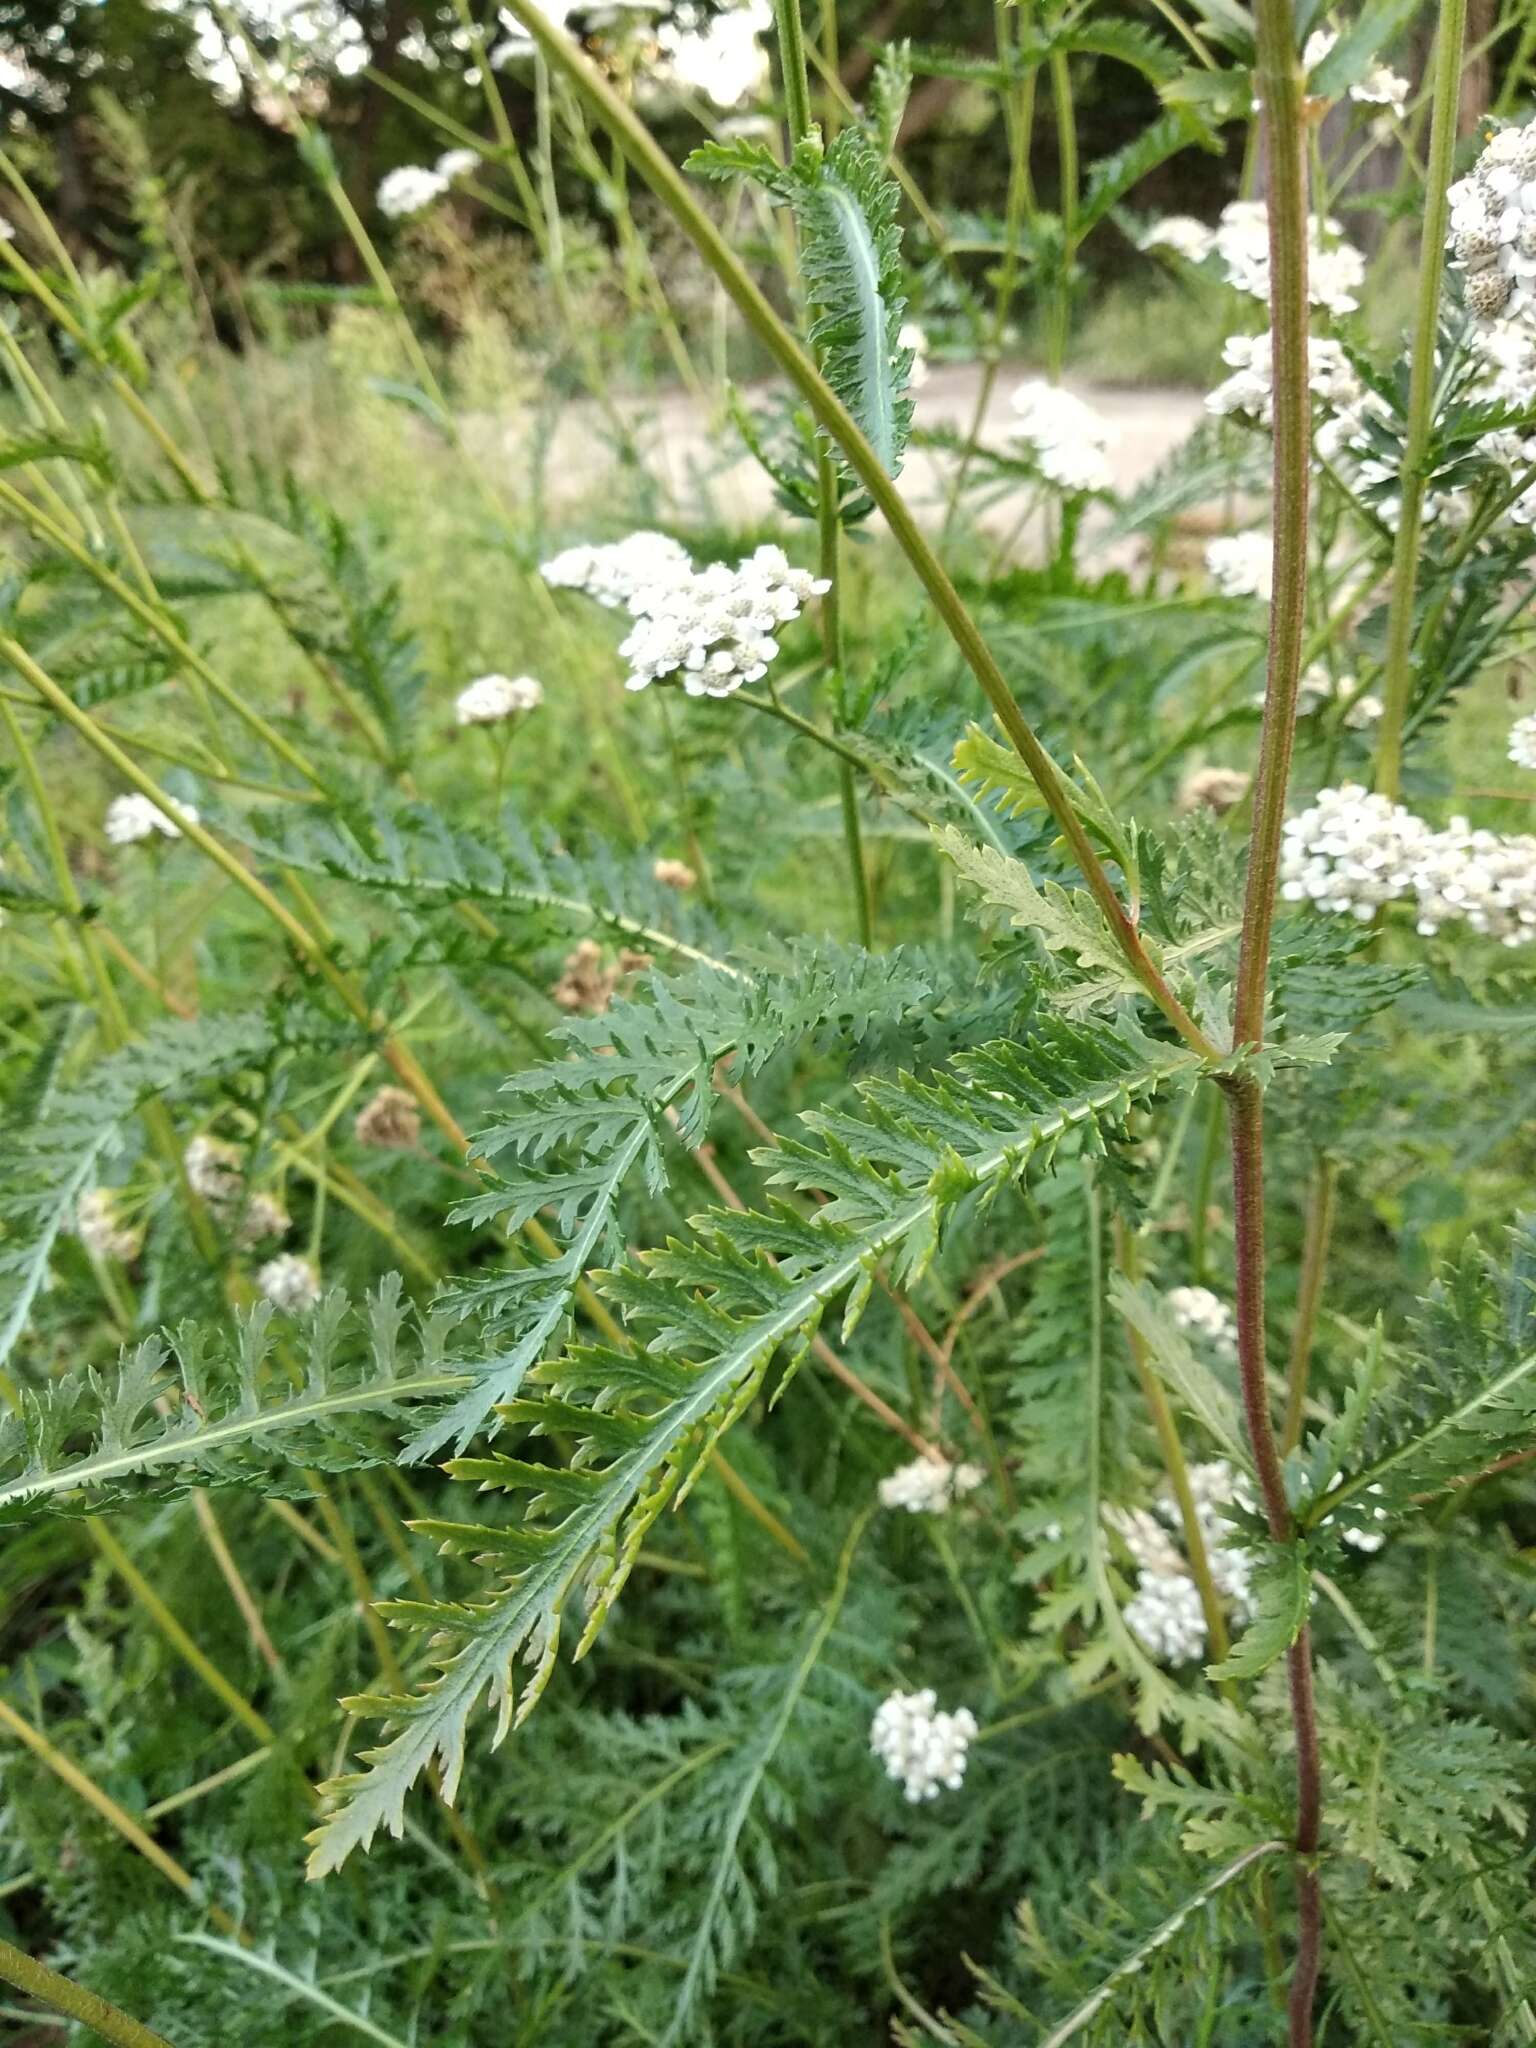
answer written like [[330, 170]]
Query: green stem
[[118, 383], [797, 99], [1018, 123], [150, 615], [74, 2001], [1279, 83], [797, 89], [1397, 675], [832, 640], [1127, 1257], [161, 1615], [1066, 143], [668, 185]]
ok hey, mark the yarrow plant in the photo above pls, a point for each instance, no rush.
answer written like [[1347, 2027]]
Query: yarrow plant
[[943, 1124]]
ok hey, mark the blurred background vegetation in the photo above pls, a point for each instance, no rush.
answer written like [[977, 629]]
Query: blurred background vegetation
[[148, 131]]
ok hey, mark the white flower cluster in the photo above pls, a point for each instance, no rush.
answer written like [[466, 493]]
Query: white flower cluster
[[1318, 688], [1346, 441], [1199, 1313], [1383, 87], [289, 1283], [1366, 1541], [913, 337], [1165, 1613], [1242, 565], [213, 1170], [1522, 742], [929, 1486], [490, 700], [1250, 389], [1183, 234], [721, 57], [1068, 440], [1166, 1617], [922, 1749], [1335, 269], [717, 630], [1493, 226], [408, 189], [412, 187], [101, 1230], [621, 572], [714, 627], [1352, 851], [133, 817]]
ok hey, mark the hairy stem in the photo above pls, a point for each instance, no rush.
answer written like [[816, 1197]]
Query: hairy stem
[[1280, 89], [1397, 673], [671, 189]]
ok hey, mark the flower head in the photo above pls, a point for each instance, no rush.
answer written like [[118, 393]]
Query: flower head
[[715, 630], [1068, 440], [1319, 46], [213, 1170], [1318, 687], [674, 874], [1383, 87], [1335, 269], [1522, 742], [622, 571], [1242, 565], [1183, 234], [587, 985], [923, 1750], [1250, 389], [491, 700], [1351, 851], [1203, 1314], [1493, 227], [929, 1486], [456, 163], [289, 1283], [101, 1230], [1166, 1617], [389, 1120], [133, 817], [264, 1216], [913, 337], [408, 189], [1212, 789]]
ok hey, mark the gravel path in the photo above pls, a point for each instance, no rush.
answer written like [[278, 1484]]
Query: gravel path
[[696, 460]]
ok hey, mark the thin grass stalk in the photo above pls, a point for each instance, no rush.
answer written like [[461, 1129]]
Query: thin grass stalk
[[116, 1817], [1066, 147], [1279, 81], [1019, 206], [1397, 670], [1309, 1294], [83, 2007], [670, 188], [196, 1660], [1166, 1429]]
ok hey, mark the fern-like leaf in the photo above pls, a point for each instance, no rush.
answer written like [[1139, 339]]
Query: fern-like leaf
[[598, 1112], [53, 1161], [708, 1319], [195, 1409]]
